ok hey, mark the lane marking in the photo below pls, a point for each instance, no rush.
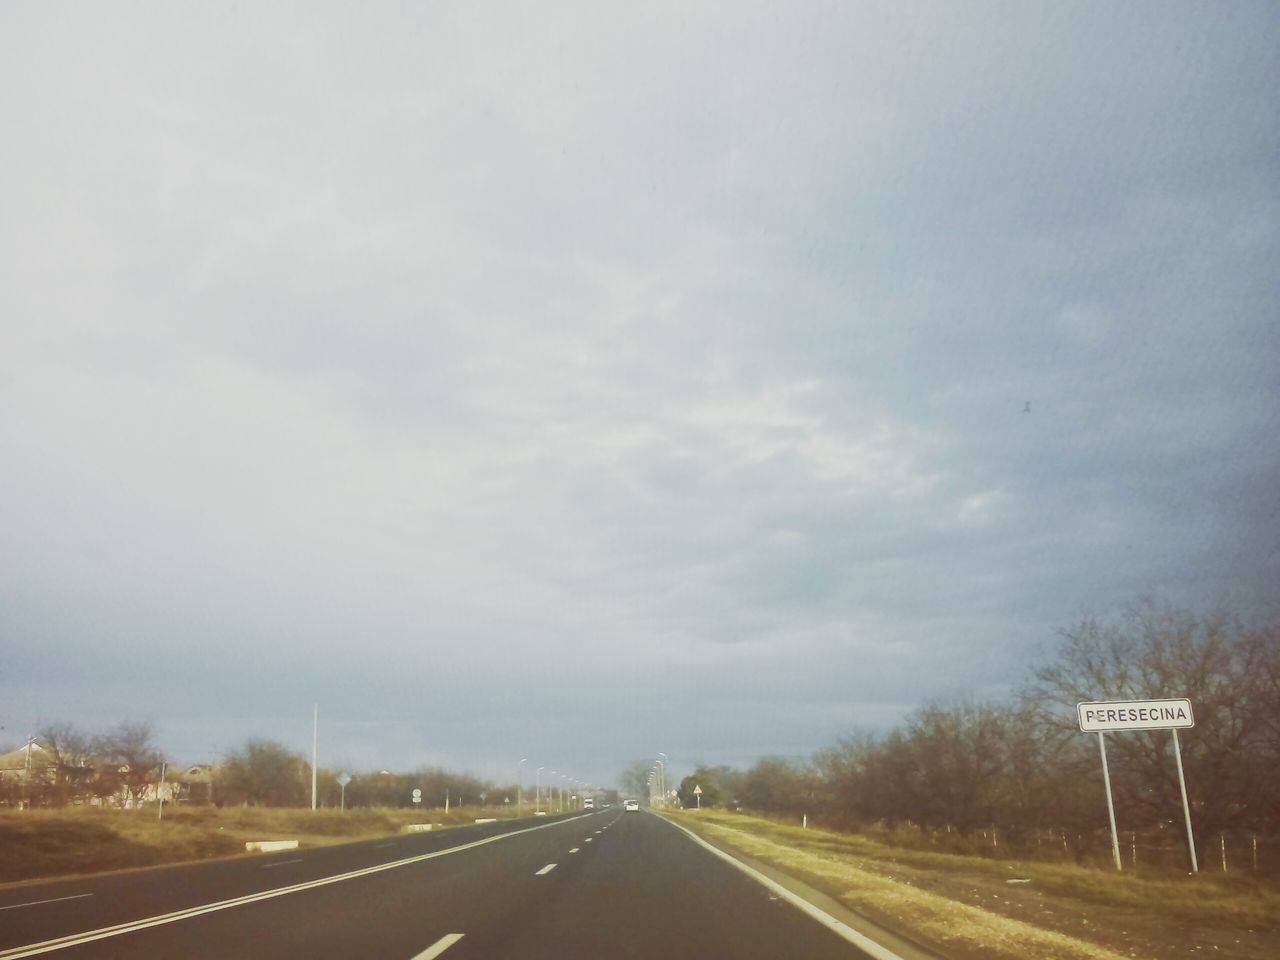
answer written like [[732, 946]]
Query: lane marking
[[132, 926], [439, 947], [34, 903], [838, 927], [589, 839], [574, 850], [545, 870], [280, 863]]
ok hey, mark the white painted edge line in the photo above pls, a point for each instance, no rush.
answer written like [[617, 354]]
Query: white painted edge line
[[34, 903], [103, 933], [439, 947], [280, 863], [545, 870], [841, 929]]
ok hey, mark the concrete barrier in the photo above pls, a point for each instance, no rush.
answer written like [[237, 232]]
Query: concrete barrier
[[268, 845], [486, 820], [416, 827]]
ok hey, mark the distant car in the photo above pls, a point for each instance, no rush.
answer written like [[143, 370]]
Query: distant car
[[588, 804], [631, 805]]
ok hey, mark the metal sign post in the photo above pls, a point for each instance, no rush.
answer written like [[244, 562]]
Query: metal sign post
[[1100, 716], [343, 780], [1186, 807], [697, 793], [1111, 807]]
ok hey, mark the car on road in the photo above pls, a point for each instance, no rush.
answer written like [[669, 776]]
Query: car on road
[[631, 805], [588, 804]]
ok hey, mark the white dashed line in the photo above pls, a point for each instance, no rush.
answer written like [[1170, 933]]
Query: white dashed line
[[545, 870], [34, 903], [439, 947], [120, 929], [574, 850]]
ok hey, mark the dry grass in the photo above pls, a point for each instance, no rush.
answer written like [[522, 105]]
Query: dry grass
[[77, 840], [964, 906]]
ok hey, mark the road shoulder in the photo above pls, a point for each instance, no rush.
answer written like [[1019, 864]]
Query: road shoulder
[[894, 943]]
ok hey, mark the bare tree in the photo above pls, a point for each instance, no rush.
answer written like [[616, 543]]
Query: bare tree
[[128, 759], [74, 749], [264, 772], [1157, 651]]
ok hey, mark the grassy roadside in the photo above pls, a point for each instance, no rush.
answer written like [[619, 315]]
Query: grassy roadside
[[37, 844], [965, 907]]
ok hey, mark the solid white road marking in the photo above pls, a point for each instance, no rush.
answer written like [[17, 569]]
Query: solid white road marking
[[545, 870], [132, 926], [841, 929], [33, 903], [280, 863], [439, 947]]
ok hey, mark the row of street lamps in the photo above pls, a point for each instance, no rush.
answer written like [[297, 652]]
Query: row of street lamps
[[559, 782], [658, 781]]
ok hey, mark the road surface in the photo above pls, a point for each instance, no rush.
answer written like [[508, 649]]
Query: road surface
[[606, 884]]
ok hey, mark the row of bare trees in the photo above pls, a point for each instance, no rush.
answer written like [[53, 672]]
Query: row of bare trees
[[1022, 765], [267, 773], [64, 764], [71, 764]]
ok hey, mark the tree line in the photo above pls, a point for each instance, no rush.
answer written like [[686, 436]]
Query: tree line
[[1021, 767], [123, 766]]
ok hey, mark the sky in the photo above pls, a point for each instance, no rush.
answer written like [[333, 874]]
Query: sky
[[579, 382]]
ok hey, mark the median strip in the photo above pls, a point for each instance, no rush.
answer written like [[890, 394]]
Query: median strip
[[132, 926]]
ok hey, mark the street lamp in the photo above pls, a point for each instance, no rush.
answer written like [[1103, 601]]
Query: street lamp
[[537, 788], [662, 759], [520, 786]]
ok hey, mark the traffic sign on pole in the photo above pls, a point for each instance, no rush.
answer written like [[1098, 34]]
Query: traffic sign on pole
[[343, 780], [1135, 715], [1120, 715]]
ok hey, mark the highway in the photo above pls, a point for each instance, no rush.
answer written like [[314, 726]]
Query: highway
[[607, 884]]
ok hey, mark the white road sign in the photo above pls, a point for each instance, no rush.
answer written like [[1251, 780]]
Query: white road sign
[[1134, 715]]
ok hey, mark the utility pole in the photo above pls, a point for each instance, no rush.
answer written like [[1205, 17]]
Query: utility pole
[[315, 739]]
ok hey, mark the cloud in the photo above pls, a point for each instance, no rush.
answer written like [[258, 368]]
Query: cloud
[[494, 378]]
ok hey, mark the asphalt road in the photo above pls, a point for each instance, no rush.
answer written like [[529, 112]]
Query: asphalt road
[[607, 884]]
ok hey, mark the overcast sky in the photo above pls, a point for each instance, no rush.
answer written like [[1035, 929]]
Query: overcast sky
[[578, 382]]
